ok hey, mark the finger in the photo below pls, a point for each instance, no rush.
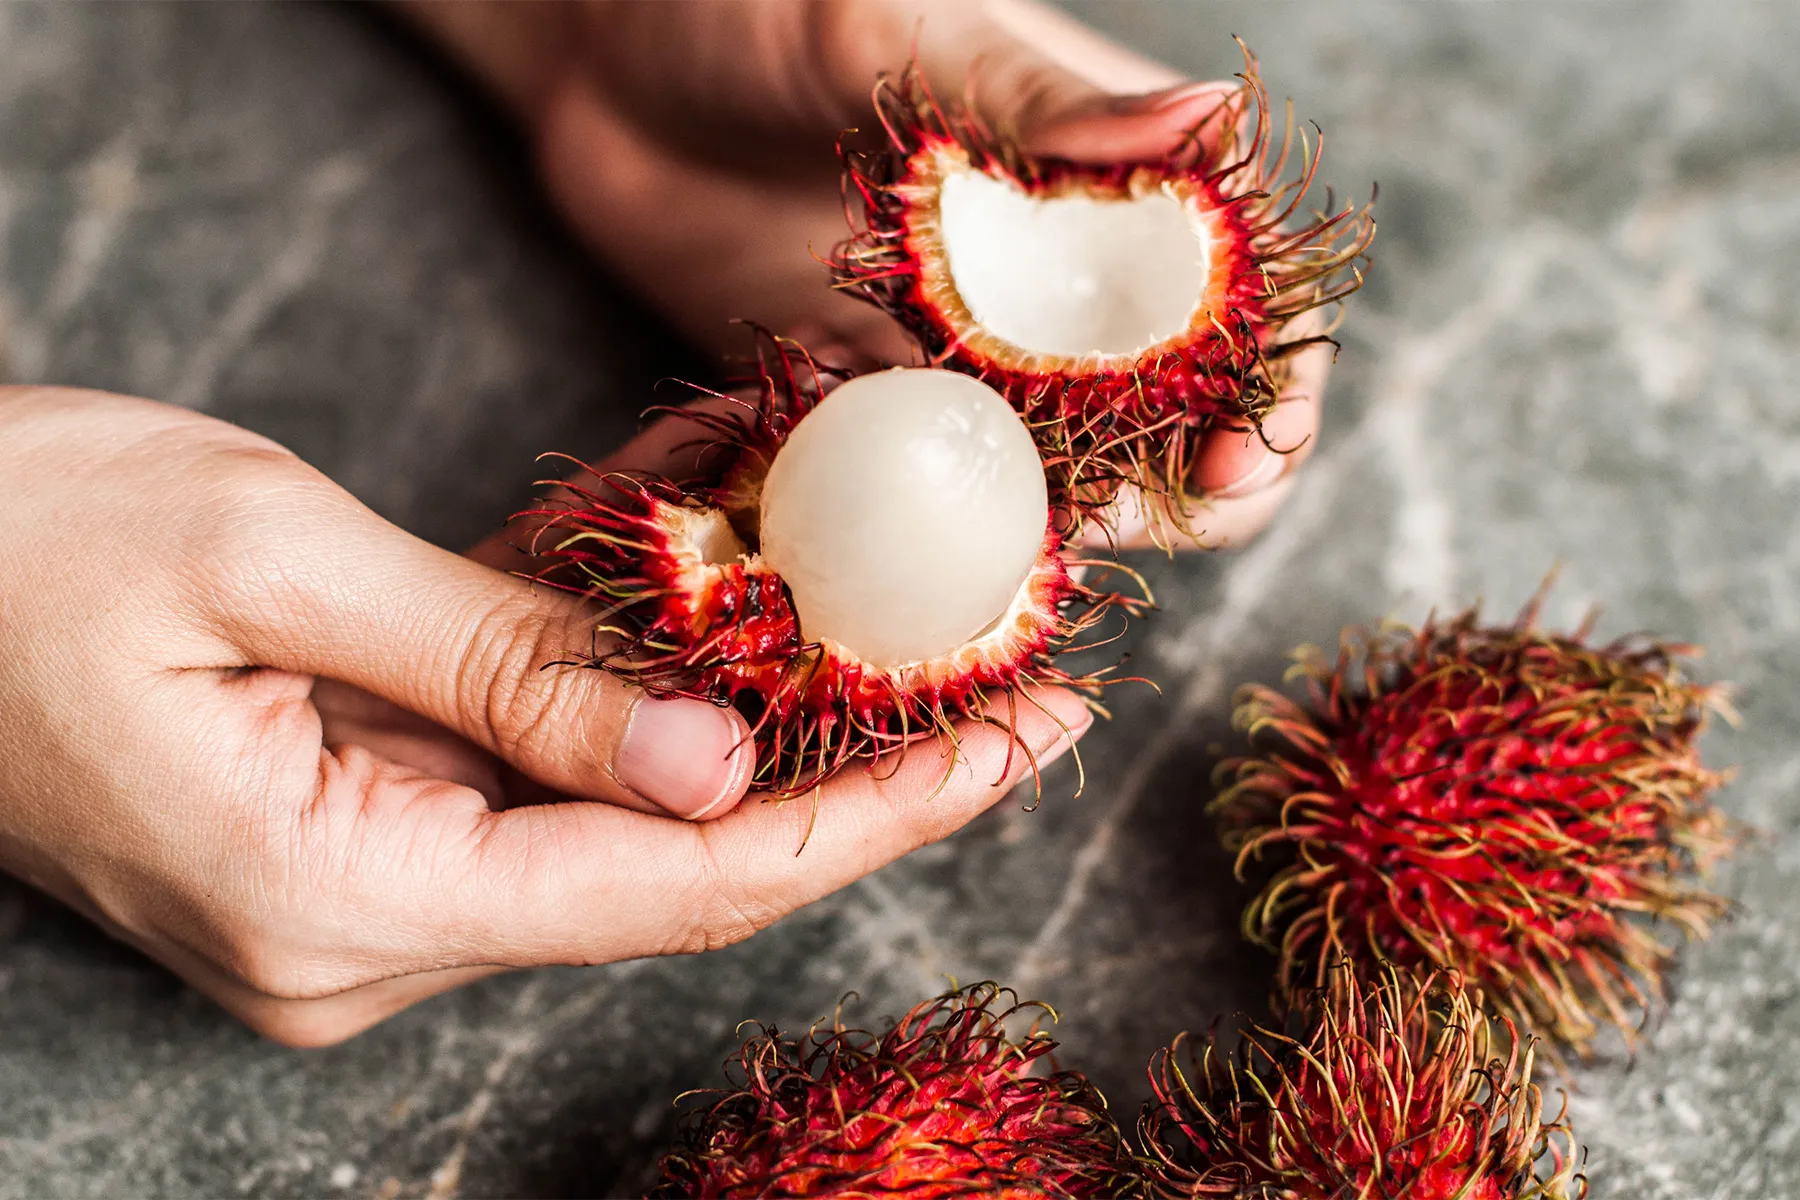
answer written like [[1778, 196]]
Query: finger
[[1206, 523], [1217, 521], [1133, 128], [519, 51], [533, 881], [828, 350], [1063, 88], [1240, 476], [329, 1020], [619, 183], [1242, 461], [1068, 92], [401, 874], [1080, 49], [488, 656], [673, 446], [349, 715], [1026, 66], [325, 1020], [331, 1010]]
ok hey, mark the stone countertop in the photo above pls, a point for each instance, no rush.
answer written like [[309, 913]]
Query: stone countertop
[[1578, 346]]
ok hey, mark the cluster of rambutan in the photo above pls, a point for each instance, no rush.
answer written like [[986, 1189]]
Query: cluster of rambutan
[[1507, 802], [1126, 309], [859, 562], [1473, 826], [1398, 1088], [944, 1103], [1395, 1086], [1465, 824], [748, 585]]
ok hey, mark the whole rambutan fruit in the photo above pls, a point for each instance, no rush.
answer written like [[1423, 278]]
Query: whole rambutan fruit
[[1392, 1088], [945, 1103], [854, 568], [1509, 802], [1124, 309]]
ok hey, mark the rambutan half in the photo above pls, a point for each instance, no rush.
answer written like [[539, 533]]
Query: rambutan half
[[1512, 803], [854, 568], [942, 1104], [1124, 309], [1394, 1088]]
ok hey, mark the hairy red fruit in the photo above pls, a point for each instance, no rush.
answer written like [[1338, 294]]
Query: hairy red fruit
[[1394, 1089], [1507, 802], [942, 1104], [688, 607], [1113, 399]]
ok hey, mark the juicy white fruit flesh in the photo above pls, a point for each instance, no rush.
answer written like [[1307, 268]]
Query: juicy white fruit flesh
[[1072, 275], [708, 535], [904, 513]]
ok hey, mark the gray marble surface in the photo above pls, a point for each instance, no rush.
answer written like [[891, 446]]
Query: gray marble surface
[[1579, 345]]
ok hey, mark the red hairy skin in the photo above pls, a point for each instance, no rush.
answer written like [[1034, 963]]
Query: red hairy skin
[[684, 612], [940, 1105], [1395, 1089], [1508, 802], [1107, 420]]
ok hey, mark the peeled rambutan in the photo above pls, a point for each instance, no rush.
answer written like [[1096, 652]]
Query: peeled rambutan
[[1509, 802], [1392, 1088], [1124, 309], [943, 1104], [854, 568]]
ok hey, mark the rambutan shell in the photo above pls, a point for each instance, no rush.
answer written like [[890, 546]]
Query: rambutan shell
[[1215, 235], [945, 1103], [1396, 1086], [688, 607], [1516, 804]]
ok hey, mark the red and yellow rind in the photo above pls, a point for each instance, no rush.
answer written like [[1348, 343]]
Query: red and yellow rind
[[941, 1105], [725, 631], [1397, 1087], [1107, 420], [1507, 802]]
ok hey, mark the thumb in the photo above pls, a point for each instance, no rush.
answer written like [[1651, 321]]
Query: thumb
[[484, 654], [1062, 88]]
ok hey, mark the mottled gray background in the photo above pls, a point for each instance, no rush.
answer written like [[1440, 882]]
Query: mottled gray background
[[1579, 345]]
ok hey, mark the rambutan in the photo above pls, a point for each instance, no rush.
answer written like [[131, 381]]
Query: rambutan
[[1509, 802], [943, 1104], [854, 567], [1124, 309], [1393, 1088]]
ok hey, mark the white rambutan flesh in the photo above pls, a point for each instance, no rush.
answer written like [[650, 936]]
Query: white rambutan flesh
[[707, 535], [1072, 274], [904, 513]]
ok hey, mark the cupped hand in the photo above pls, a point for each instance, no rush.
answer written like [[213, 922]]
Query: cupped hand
[[319, 767], [693, 146]]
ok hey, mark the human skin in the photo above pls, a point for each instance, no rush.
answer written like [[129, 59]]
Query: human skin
[[317, 766], [692, 145]]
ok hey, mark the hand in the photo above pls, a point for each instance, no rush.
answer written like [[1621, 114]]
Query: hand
[[317, 767], [692, 145]]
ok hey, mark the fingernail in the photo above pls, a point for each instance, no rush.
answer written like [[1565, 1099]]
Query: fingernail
[[686, 757], [1268, 469], [1160, 101]]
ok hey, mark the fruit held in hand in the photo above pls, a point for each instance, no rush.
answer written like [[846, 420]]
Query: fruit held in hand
[[1505, 801], [904, 513], [943, 1104], [1397, 1086], [1124, 309], [854, 569]]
